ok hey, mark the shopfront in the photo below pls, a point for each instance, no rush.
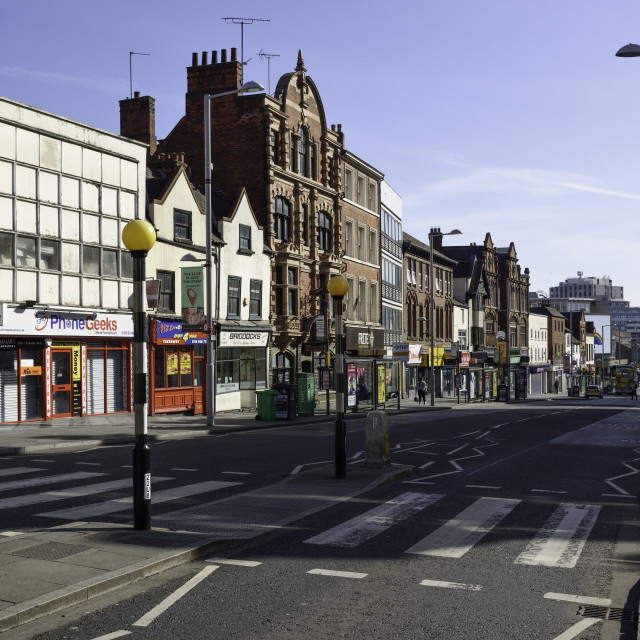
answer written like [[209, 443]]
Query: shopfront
[[176, 363], [63, 364], [241, 367]]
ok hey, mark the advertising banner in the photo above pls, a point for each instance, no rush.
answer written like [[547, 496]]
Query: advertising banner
[[171, 332], [192, 304], [351, 385]]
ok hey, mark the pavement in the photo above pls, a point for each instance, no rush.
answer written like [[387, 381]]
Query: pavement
[[48, 569]]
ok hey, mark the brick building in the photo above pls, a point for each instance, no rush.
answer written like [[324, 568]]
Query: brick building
[[291, 163]]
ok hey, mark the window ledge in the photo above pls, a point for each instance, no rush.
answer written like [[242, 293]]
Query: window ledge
[[245, 252]]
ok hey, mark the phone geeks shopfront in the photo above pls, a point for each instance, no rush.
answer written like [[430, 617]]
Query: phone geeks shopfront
[[63, 364]]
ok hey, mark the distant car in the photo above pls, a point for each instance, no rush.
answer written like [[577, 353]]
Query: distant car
[[593, 391]]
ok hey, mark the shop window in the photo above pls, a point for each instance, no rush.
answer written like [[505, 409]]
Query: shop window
[[228, 370], [253, 368], [176, 367], [107, 377], [181, 225], [282, 365]]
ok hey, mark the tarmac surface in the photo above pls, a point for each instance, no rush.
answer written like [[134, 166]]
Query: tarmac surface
[[44, 570]]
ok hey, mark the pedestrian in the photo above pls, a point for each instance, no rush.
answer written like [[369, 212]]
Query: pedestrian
[[634, 391], [422, 391], [555, 385]]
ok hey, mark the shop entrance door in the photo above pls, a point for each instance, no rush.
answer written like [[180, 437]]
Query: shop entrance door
[[61, 387]]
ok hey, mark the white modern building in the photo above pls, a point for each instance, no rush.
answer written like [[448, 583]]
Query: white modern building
[[66, 329]]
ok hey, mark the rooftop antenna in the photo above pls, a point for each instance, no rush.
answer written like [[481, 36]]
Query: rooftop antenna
[[242, 22], [133, 53], [268, 56]]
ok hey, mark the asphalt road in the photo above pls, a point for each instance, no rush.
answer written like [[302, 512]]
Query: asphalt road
[[518, 523]]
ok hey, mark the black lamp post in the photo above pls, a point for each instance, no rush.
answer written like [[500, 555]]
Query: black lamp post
[[338, 287], [139, 236]]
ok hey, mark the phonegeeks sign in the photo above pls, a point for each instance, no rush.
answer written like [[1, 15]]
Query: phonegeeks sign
[[34, 322]]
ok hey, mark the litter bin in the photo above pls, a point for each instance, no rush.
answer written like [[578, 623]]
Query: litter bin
[[306, 394], [266, 404], [286, 400]]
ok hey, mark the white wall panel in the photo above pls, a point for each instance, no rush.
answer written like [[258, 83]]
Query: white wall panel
[[91, 292], [71, 291], [110, 169], [49, 221], [110, 294], [91, 165], [90, 199], [129, 175], [27, 285], [49, 288], [70, 192], [50, 153], [70, 225], [109, 202], [48, 187], [6, 213], [7, 141], [26, 216], [110, 232], [90, 228], [6, 177], [126, 295], [25, 182], [70, 255], [71, 159], [127, 205], [6, 277], [28, 147]]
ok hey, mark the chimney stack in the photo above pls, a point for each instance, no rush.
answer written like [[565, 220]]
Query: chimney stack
[[138, 120]]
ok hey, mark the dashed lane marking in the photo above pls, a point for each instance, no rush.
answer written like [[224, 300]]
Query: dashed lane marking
[[338, 574]]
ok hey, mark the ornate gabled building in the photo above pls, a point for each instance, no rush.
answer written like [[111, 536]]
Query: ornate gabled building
[[291, 163]]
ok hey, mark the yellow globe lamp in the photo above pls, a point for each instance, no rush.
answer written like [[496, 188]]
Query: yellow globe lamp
[[338, 286], [139, 235]]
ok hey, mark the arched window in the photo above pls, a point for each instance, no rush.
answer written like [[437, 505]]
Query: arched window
[[302, 152], [324, 231], [282, 219]]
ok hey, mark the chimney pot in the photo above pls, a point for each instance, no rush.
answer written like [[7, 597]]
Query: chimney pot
[[136, 94], [223, 55], [194, 59], [205, 57], [234, 54], [214, 57]]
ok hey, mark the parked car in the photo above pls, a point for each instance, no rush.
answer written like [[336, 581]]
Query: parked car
[[593, 391]]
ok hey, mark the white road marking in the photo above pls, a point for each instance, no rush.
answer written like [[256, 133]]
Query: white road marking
[[497, 426], [338, 574], [546, 491], [18, 470], [577, 629], [483, 435], [451, 585], [62, 477], [122, 504], [183, 469], [373, 522], [567, 597], [481, 486], [235, 563], [561, 540], [458, 449], [617, 495], [90, 464], [237, 473], [159, 609], [72, 492], [11, 534], [625, 475], [40, 460], [114, 635], [459, 535], [427, 464]]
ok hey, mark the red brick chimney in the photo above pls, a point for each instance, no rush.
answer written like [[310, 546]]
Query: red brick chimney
[[138, 120]]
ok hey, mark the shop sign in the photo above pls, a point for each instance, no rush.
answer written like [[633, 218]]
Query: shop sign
[[312, 346], [60, 323], [244, 338], [415, 351], [30, 371], [400, 352], [172, 332], [192, 295], [363, 339], [465, 358]]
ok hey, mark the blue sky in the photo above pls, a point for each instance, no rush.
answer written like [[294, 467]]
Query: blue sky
[[501, 116]]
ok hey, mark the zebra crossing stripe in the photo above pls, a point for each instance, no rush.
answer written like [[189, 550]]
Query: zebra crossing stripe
[[451, 585], [122, 504], [72, 492], [61, 477], [560, 541], [364, 527], [459, 535], [18, 470]]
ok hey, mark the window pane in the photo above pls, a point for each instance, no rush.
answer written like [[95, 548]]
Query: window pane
[[49, 255], [110, 263], [127, 264], [6, 249], [26, 252], [91, 260]]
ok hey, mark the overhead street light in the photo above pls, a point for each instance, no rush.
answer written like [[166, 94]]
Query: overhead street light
[[247, 87], [629, 51], [433, 233]]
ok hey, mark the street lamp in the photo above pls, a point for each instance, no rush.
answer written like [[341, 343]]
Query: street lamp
[[247, 87], [139, 236], [338, 287], [434, 232]]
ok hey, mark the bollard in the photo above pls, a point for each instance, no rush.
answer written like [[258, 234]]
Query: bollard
[[377, 439]]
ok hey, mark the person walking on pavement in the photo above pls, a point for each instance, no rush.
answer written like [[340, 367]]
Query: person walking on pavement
[[634, 390], [555, 385], [422, 391]]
